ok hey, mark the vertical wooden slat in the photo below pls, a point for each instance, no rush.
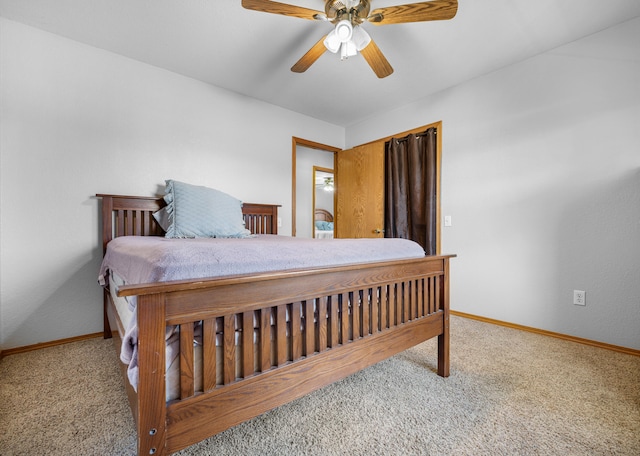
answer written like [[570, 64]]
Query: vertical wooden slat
[[422, 311], [427, 295], [414, 299], [355, 311], [209, 354], [429, 284], [405, 301], [247, 344], [120, 223], [366, 312], [333, 321], [397, 304], [427, 298], [186, 360], [128, 223], [420, 296], [309, 328], [265, 339], [281, 334], [147, 223], [375, 309], [229, 349], [151, 396], [384, 307], [137, 223], [344, 318], [296, 331], [322, 323]]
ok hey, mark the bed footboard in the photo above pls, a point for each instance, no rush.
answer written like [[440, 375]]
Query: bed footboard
[[283, 335]]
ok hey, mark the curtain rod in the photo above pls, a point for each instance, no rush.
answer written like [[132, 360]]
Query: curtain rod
[[424, 133]]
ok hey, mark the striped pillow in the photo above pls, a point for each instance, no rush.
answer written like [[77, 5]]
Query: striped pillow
[[194, 211]]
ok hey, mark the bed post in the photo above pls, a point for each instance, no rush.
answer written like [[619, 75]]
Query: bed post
[[107, 233], [443, 339], [152, 410], [107, 220]]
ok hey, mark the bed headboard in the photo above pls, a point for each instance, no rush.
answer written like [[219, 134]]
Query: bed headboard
[[133, 216], [323, 215]]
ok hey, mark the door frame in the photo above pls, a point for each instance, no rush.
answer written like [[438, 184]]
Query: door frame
[[295, 142]]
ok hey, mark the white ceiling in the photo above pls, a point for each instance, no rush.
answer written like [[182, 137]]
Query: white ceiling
[[219, 42]]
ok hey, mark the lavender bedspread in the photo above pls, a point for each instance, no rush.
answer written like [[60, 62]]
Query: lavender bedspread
[[148, 259]]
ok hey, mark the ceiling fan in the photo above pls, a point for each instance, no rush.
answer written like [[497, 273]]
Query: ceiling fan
[[348, 37]]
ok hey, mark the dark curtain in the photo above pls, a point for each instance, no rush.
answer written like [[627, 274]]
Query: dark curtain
[[410, 189]]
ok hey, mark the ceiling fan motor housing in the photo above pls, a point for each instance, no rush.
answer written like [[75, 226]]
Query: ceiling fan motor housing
[[355, 11]]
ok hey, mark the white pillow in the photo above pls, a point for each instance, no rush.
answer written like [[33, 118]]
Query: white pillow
[[194, 211]]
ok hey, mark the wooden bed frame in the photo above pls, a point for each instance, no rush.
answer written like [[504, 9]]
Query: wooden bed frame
[[387, 308], [323, 215]]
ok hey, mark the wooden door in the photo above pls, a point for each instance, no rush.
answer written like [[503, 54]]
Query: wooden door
[[360, 192]]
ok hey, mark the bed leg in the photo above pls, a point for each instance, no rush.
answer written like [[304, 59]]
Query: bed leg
[[443, 350], [443, 339], [105, 317]]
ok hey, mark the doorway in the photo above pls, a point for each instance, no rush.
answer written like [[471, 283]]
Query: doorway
[[323, 202], [305, 155]]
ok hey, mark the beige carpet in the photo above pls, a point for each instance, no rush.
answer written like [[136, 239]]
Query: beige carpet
[[509, 393]]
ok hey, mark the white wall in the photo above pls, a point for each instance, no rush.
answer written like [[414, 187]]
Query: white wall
[[541, 175], [77, 121]]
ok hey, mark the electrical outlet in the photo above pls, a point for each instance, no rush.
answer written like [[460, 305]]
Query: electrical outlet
[[279, 222], [579, 297]]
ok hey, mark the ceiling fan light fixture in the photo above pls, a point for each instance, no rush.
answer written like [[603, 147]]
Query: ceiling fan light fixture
[[344, 30], [347, 50], [332, 42], [328, 184], [338, 38], [360, 38]]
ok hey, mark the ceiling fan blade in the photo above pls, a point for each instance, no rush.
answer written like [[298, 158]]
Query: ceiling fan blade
[[376, 60], [268, 6], [436, 10], [310, 57]]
